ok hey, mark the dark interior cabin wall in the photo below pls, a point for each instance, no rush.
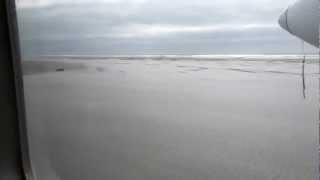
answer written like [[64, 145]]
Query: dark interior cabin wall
[[10, 146]]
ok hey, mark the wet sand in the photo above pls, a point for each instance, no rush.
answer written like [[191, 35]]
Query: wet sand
[[156, 119]]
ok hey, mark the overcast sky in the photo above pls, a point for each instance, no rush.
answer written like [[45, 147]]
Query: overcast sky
[[124, 27]]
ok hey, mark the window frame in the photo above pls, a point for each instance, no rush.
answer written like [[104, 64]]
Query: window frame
[[14, 155]]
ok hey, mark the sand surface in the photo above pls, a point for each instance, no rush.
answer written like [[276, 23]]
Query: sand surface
[[168, 119]]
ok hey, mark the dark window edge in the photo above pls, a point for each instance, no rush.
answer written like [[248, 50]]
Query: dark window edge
[[15, 58]]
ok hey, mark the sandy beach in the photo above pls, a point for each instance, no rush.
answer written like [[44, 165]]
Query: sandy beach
[[172, 118]]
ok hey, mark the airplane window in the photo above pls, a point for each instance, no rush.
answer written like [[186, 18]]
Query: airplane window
[[171, 89]]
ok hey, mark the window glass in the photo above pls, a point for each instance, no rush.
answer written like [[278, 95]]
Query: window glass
[[167, 89]]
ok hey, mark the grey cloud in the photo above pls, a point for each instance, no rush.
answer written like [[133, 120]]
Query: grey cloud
[[65, 27]]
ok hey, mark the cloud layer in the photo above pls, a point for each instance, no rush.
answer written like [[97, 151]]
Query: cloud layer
[[152, 27]]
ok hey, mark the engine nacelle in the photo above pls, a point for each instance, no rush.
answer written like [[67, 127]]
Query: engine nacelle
[[302, 19]]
